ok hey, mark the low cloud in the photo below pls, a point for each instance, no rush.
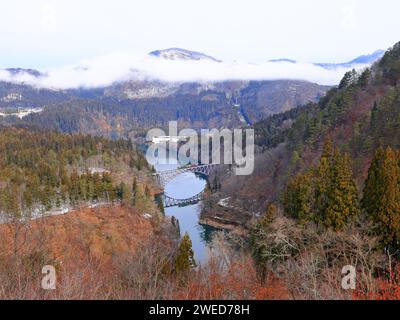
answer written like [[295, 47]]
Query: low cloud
[[106, 70]]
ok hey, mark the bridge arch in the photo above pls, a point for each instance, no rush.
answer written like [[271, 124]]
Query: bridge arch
[[173, 202], [164, 177]]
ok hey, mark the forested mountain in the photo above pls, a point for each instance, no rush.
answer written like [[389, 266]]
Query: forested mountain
[[14, 96], [359, 116], [119, 109], [325, 192], [326, 189], [43, 171], [140, 102]]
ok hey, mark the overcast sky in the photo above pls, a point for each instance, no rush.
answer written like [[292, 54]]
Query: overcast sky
[[50, 33]]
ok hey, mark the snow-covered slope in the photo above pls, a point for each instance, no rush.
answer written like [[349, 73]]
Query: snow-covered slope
[[181, 54]]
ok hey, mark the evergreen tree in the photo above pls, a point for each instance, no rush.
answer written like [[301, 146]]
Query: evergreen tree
[[374, 115], [370, 199], [299, 198], [345, 80], [343, 196], [270, 213], [185, 257], [127, 195], [328, 196], [147, 192], [160, 205], [12, 205], [323, 181], [365, 78], [124, 193], [313, 129], [348, 79], [257, 237], [134, 190], [140, 197], [381, 199], [390, 64]]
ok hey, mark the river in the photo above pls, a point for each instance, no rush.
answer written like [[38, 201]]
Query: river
[[185, 186]]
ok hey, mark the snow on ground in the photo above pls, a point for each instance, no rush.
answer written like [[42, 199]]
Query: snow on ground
[[21, 113], [39, 212], [224, 203]]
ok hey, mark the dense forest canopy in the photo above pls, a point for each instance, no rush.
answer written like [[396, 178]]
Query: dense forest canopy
[[46, 170], [361, 115]]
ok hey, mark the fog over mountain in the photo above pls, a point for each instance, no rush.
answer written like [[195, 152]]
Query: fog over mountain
[[178, 65]]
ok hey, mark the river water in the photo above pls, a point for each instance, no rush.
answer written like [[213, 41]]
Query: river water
[[185, 186]]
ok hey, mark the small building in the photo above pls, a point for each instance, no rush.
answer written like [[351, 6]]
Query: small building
[[162, 139]]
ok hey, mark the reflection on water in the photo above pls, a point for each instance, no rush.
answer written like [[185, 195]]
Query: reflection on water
[[207, 232], [185, 186]]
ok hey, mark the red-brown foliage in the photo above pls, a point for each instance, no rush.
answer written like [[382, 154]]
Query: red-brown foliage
[[238, 281], [387, 288]]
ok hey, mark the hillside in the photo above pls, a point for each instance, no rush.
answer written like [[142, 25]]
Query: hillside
[[360, 115], [325, 192], [92, 250], [47, 173], [117, 110], [139, 101]]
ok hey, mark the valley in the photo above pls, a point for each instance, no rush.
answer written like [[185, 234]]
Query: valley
[[78, 193], [118, 113], [125, 108], [182, 159]]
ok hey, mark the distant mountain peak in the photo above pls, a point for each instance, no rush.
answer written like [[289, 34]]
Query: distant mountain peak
[[181, 54], [283, 60], [19, 71], [361, 60], [368, 58], [364, 59]]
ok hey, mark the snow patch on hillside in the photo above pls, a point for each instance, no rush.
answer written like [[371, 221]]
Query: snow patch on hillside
[[21, 113]]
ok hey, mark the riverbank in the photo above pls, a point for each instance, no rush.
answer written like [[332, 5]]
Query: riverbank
[[224, 225], [222, 214]]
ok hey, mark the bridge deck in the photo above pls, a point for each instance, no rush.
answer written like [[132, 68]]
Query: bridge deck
[[172, 202], [163, 177]]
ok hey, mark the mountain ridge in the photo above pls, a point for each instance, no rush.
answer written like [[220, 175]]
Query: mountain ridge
[[182, 54], [360, 60], [169, 66], [354, 116]]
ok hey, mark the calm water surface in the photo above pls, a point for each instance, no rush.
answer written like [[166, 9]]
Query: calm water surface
[[185, 186]]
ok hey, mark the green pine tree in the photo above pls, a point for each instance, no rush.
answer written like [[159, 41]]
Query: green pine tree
[[343, 195], [299, 198], [323, 179], [381, 199], [370, 200], [185, 257]]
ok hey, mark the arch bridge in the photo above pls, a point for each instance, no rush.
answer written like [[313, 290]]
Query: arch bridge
[[163, 177], [169, 202]]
